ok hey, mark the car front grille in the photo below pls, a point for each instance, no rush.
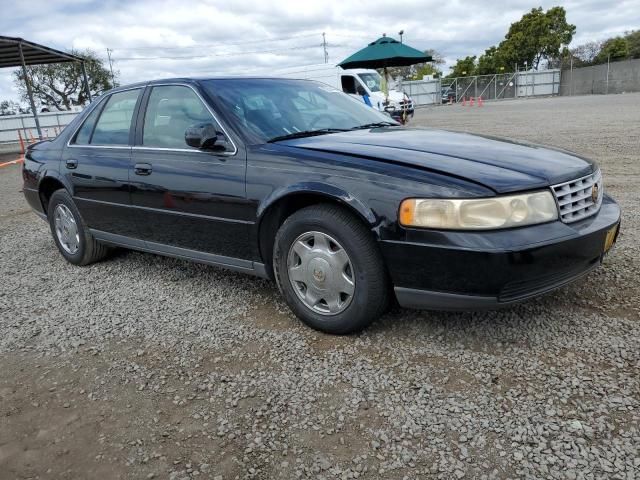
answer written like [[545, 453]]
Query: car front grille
[[579, 199]]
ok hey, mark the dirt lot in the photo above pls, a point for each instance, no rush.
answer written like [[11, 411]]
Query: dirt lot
[[147, 367]]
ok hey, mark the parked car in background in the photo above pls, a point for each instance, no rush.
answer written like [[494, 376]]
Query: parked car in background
[[447, 94], [295, 181]]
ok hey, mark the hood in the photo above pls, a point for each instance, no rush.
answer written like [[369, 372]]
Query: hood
[[499, 164]]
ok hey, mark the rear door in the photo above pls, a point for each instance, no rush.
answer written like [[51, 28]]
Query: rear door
[[97, 163], [188, 200]]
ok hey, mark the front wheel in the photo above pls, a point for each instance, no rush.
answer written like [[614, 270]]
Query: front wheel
[[329, 269]]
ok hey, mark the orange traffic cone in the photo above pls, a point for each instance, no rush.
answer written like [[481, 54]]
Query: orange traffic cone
[[471, 101], [480, 102]]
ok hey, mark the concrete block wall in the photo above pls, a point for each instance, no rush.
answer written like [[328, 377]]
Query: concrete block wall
[[623, 76]]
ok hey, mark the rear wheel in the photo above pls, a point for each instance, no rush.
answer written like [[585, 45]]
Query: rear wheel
[[71, 235], [329, 269]]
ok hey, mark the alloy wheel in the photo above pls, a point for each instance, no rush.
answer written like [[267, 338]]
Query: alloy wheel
[[321, 273], [66, 229]]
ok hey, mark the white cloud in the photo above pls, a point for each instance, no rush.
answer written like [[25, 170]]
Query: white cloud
[[231, 35]]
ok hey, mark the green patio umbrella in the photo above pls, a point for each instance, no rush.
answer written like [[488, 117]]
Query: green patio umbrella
[[385, 52]]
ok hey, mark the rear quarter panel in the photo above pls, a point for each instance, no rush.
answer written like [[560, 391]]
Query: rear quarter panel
[[40, 161]]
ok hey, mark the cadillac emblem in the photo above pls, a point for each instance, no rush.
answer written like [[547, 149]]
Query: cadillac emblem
[[318, 274], [594, 193]]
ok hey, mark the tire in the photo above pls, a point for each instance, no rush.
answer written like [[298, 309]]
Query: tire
[[84, 249], [303, 278]]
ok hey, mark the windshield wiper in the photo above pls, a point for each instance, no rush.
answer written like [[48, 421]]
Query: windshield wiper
[[375, 124], [306, 133]]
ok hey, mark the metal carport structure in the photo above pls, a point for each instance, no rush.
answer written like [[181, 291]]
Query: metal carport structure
[[18, 52]]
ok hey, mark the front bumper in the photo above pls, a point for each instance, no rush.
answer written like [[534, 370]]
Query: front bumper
[[441, 270]]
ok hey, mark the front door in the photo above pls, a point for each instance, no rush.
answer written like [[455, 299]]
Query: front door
[[97, 164], [188, 200]]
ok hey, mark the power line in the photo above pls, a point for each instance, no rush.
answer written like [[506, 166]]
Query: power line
[[264, 40], [191, 57], [113, 78]]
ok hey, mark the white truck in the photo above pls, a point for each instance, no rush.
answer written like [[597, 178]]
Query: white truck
[[356, 82]]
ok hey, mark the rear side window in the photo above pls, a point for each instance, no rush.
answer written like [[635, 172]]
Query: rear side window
[[114, 123], [170, 111], [84, 134]]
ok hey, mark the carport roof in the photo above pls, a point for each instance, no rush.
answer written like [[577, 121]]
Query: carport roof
[[34, 53]]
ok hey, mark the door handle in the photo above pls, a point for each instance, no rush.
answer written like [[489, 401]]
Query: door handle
[[142, 169], [72, 163]]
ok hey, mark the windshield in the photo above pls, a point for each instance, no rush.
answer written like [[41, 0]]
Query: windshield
[[271, 108], [371, 80]]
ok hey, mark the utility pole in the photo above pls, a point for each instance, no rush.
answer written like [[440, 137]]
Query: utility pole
[[571, 67], [113, 78], [324, 47], [608, 66]]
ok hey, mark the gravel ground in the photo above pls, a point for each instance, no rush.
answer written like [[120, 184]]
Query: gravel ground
[[148, 367]]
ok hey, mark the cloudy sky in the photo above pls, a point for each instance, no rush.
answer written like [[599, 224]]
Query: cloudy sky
[[155, 38]]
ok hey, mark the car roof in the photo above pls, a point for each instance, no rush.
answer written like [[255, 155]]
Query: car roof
[[194, 80]]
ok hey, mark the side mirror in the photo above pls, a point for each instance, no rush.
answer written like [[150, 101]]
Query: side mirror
[[205, 137]]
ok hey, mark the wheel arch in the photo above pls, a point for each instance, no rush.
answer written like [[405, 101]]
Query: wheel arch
[[276, 208], [49, 183]]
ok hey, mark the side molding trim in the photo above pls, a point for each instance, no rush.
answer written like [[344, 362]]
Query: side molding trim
[[230, 263]]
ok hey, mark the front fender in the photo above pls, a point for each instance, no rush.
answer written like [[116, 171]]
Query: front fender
[[317, 188]]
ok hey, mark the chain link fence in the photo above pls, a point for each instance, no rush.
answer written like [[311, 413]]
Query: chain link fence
[[488, 87]]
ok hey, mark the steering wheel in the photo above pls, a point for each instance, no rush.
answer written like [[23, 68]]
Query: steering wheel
[[322, 116]]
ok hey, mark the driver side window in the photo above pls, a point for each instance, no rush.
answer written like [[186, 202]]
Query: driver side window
[[170, 111], [348, 84]]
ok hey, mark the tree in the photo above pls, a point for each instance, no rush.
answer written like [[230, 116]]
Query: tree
[[464, 67], [586, 53], [430, 68], [9, 107], [436, 57], [416, 72], [633, 41], [615, 48], [536, 36], [61, 85], [490, 62], [424, 70]]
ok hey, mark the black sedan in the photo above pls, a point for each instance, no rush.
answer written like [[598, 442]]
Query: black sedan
[[295, 181]]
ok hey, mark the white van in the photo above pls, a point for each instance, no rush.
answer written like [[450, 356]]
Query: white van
[[355, 82]]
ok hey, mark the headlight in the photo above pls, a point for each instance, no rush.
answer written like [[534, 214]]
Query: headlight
[[479, 213]]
